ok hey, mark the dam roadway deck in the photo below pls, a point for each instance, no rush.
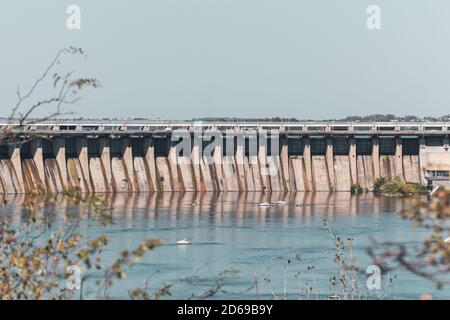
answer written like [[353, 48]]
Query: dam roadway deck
[[65, 127], [149, 156]]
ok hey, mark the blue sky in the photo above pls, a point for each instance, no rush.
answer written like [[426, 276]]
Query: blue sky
[[179, 59]]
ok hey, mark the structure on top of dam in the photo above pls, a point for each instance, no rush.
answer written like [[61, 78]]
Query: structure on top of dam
[[145, 156]]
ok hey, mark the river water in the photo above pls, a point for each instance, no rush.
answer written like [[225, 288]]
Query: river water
[[233, 235]]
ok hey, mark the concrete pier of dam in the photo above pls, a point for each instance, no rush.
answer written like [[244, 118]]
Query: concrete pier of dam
[[143, 156]]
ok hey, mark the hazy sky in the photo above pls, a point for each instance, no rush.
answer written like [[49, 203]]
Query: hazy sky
[[180, 59]]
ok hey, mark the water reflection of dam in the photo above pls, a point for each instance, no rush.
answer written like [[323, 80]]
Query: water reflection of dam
[[144, 157], [190, 205]]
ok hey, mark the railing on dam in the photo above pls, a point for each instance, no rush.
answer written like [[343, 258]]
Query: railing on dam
[[132, 127], [112, 156]]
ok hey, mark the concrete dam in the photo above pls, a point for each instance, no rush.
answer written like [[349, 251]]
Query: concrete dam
[[149, 156]]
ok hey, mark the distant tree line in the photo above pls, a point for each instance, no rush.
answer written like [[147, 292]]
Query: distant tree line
[[369, 118], [230, 119]]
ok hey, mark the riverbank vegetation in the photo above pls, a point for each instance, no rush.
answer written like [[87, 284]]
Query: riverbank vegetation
[[356, 189], [396, 186]]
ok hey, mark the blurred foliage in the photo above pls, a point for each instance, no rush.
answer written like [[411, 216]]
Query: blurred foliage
[[431, 258], [350, 282], [34, 258]]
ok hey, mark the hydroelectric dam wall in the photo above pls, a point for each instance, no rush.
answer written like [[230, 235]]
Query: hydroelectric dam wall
[[148, 156]]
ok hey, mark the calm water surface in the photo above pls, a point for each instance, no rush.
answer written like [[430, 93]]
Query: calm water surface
[[231, 231]]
